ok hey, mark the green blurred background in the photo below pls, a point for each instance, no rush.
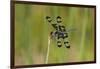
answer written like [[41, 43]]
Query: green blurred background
[[32, 31]]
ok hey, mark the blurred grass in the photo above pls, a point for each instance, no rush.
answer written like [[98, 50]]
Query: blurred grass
[[32, 31]]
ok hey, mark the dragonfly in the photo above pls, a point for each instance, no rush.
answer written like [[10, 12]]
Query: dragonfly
[[60, 33]]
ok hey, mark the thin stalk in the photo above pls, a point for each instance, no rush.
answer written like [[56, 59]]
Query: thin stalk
[[47, 55], [82, 43]]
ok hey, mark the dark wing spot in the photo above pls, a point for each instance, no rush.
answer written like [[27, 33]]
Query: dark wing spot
[[67, 46], [59, 43], [48, 18]]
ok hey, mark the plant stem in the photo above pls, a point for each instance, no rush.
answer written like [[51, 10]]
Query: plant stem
[[47, 55], [82, 43]]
